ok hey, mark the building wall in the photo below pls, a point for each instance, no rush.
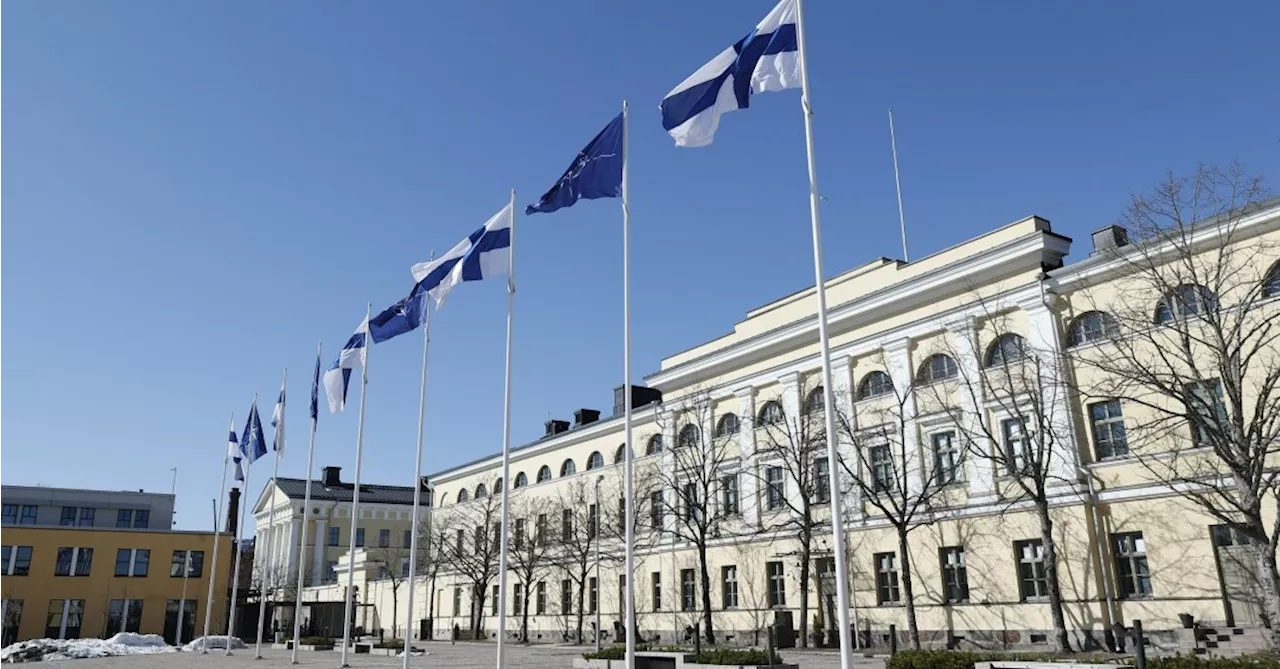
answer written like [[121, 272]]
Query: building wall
[[106, 506]]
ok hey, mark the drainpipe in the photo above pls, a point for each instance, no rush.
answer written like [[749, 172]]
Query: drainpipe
[[1102, 563]]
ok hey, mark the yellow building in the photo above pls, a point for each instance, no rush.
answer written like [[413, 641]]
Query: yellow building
[[77, 582]]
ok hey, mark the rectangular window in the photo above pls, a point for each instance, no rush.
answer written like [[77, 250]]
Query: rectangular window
[[688, 590], [404, 567], [459, 538], [729, 587], [408, 538], [540, 599], [494, 604], [69, 515], [821, 481], [359, 537], [1033, 579], [777, 584], [689, 500], [540, 529], [73, 562], [887, 579], [1108, 429], [622, 515], [86, 516], [384, 538], [517, 593], [457, 602], [566, 525], [194, 561], [593, 595], [65, 619], [124, 518], [883, 478], [1019, 452], [335, 536], [141, 519], [566, 596], [124, 615], [10, 514], [622, 592], [1130, 551], [28, 515], [17, 560], [955, 578], [656, 505], [655, 579], [775, 488], [519, 538], [946, 457], [331, 571], [496, 537], [729, 503], [1208, 415], [188, 607], [593, 515]]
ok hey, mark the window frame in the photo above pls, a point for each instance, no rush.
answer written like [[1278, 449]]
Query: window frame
[[1174, 304], [1101, 419], [771, 413], [729, 587], [775, 491], [953, 567], [1091, 327], [888, 581], [1033, 577], [728, 425], [875, 383], [595, 460], [928, 372], [1133, 572], [882, 480], [1006, 348], [776, 584], [951, 471]]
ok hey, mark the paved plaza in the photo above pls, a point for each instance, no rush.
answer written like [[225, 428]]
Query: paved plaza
[[441, 656]]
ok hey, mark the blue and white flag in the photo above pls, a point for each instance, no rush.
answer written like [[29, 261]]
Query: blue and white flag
[[233, 450], [253, 444], [338, 378], [404, 316], [315, 391], [595, 173], [277, 422], [485, 253], [767, 59]]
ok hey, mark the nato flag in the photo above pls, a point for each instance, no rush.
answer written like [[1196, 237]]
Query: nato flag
[[595, 173], [403, 316]]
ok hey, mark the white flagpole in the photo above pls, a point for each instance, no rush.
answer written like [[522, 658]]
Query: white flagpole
[[355, 493], [833, 464], [629, 516], [417, 480], [902, 219], [302, 536], [235, 578], [506, 448], [213, 570], [268, 565]]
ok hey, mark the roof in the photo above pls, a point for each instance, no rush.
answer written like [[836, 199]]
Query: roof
[[371, 493]]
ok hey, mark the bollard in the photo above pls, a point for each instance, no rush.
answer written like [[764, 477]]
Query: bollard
[[893, 641], [1139, 645], [770, 641]]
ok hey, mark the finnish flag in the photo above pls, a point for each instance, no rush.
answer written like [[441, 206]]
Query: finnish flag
[[338, 378], [483, 254], [277, 421], [767, 59], [233, 450]]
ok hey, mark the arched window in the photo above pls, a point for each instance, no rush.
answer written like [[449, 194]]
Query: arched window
[[521, 480], [1005, 349], [1185, 300], [497, 486], [689, 435], [544, 474], [727, 426], [463, 496], [654, 445], [444, 499], [937, 367], [815, 403], [595, 460], [620, 455], [1271, 284], [875, 384], [481, 492], [771, 413], [1092, 326], [568, 468]]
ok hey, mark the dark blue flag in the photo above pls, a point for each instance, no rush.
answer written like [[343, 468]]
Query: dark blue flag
[[315, 390], [595, 173], [253, 444], [404, 316]]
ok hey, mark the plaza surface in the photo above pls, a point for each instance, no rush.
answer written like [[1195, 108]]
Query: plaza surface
[[441, 656]]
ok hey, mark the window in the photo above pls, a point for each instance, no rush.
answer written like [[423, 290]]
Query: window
[[16, 560], [622, 592], [73, 562], [464, 496], [946, 457], [1131, 564], [815, 402], [566, 525], [540, 598], [1005, 349], [593, 595], [887, 579], [1271, 284], [540, 529], [132, 561], [689, 437], [359, 537], [593, 521], [1019, 452], [65, 618], [544, 474], [494, 599], [404, 567], [1108, 429], [521, 480], [481, 491], [568, 468], [188, 608], [654, 445], [1092, 326], [775, 488], [727, 426], [1033, 579], [11, 612], [821, 481], [28, 515], [408, 538], [124, 518], [10, 514], [1207, 413], [771, 413], [656, 505], [729, 504], [519, 534], [496, 537], [194, 562], [656, 579], [620, 455], [729, 587], [331, 571], [595, 460], [622, 515], [566, 596], [875, 384], [517, 596], [124, 615], [937, 367], [334, 536], [86, 516], [955, 578], [384, 538], [689, 502], [1186, 300], [688, 590], [457, 602], [69, 514], [883, 478], [777, 584]]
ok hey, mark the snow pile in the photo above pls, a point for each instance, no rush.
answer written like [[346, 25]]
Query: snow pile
[[74, 649], [214, 642]]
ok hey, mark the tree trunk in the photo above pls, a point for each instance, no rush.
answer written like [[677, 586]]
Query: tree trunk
[[805, 558], [395, 612], [706, 593], [1061, 640], [1270, 586], [582, 611], [908, 589], [524, 618]]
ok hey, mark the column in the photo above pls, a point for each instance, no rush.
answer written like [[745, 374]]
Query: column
[[980, 471], [748, 497], [317, 551], [295, 528], [669, 430], [902, 373], [842, 400], [1044, 340], [791, 405]]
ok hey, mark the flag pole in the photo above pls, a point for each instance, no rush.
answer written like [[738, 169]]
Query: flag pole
[[417, 478], [222, 488], [355, 493], [629, 519], [506, 447], [268, 564], [833, 464], [244, 503], [306, 510], [902, 219]]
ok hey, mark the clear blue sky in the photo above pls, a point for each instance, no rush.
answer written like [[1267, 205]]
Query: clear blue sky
[[198, 192]]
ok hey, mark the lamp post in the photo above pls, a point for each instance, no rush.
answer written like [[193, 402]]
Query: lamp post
[[595, 527]]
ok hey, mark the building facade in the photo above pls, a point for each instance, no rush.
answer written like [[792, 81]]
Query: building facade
[[37, 505]]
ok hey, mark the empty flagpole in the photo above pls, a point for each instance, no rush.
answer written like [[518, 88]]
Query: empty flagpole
[[306, 510], [417, 478], [629, 518], [267, 565], [213, 568], [244, 503], [355, 493], [833, 464], [506, 447], [897, 183]]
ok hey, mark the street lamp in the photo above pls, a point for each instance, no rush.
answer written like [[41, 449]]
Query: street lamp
[[595, 526]]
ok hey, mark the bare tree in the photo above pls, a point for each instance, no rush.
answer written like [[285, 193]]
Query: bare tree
[[389, 560], [753, 592], [473, 549], [528, 555], [433, 552], [1191, 347], [575, 535]]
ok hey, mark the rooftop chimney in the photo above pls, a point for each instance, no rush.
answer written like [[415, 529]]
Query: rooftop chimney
[[330, 477], [640, 396], [555, 427], [233, 510], [1109, 238], [585, 417]]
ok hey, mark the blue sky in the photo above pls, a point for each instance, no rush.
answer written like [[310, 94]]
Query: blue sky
[[199, 192]]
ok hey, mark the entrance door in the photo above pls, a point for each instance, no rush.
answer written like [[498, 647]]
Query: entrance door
[[171, 621], [1237, 571]]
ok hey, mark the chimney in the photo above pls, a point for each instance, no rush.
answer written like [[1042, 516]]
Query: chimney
[[1109, 238], [585, 417], [555, 427], [330, 477], [233, 511], [640, 396]]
